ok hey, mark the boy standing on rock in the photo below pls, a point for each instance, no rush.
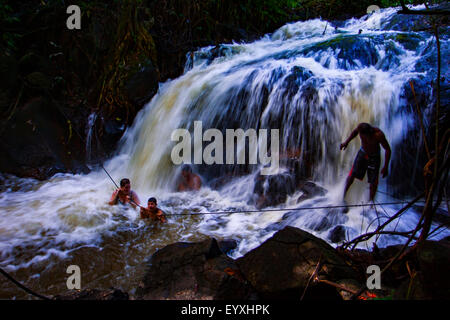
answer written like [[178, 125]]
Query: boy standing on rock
[[368, 157]]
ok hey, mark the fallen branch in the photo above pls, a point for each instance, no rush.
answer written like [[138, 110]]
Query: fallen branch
[[339, 286], [316, 270]]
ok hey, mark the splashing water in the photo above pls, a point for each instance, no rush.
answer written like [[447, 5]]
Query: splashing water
[[312, 80]]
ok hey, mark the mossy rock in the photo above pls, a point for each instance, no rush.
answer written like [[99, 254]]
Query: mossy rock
[[401, 22], [359, 51], [281, 267], [353, 51], [409, 41], [341, 38]]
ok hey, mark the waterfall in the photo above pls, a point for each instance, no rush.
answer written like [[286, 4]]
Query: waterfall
[[314, 81], [314, 87]]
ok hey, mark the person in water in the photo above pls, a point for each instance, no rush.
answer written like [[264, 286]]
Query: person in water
[[189, 180], [368, 157], [152, 211], [124, 195]]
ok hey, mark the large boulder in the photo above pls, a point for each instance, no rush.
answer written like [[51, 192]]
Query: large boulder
[[282, 266], [192, 271], [39, 141]]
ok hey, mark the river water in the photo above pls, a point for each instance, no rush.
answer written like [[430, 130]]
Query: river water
[[314, 81]]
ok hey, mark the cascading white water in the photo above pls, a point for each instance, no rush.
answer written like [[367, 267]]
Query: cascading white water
[[90, 129], [307, 79]]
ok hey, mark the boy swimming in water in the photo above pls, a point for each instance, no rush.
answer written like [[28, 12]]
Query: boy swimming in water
[[152, 211]]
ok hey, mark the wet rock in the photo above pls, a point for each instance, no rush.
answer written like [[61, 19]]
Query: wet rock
[[409, 41], [338, 234], [108, 129], [286, 220], [273, 190], [321, 225], [310, 190], [143, 84], [227, 245], [38, 142], [95, 294], [334, 217], [281, 267], [299, 165], [289, 215], [276, 226], [411, 150], [194, 271], [353, 51], [406, 23], [422, 91], [217, 183], [295, 79]]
